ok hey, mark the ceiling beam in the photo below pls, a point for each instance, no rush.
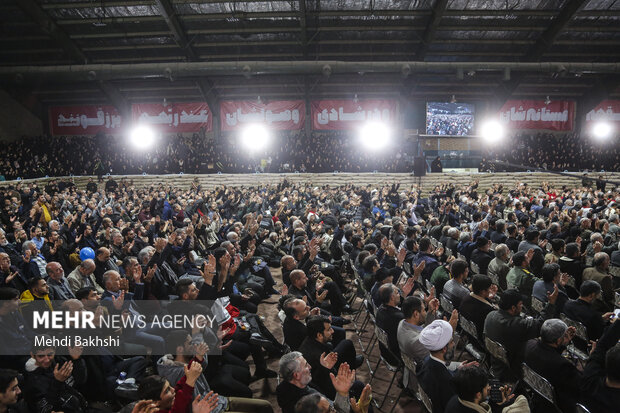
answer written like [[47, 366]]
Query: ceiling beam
[[48, 25], [431, 29], [116, 98], [542, 45], [545, 41], [303, 27], [167, 11], [206, 87]]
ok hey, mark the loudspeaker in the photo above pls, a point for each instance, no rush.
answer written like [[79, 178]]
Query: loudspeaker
[[419, 166]]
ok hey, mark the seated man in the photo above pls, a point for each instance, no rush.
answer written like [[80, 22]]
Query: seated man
[[544, 356], [9, 393], [601, 376], [295, 374], [482, 255], [323, 357], [498, 267], [551, 277], [389, 316], [472, 394], [47, 377], [17, 336], [183, 354], [600, 273], [476, 305], [455, 290], [82, 276], [506, 327], [520, 277], [159, 396], [296, 311], [321, 294], [581, 310], [434, 376]]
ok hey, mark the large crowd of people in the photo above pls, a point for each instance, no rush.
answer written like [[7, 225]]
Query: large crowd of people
[[568, 152], [288, 152], [518, 266]]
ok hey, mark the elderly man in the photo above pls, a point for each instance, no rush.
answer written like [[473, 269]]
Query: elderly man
[[33, 263], [498, 267], [599, 273], [544, 356], [11, 276], [82, 276], [295, 374], [103, 263], [59, 287]]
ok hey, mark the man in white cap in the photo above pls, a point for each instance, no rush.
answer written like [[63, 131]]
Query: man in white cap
[[434, 376]]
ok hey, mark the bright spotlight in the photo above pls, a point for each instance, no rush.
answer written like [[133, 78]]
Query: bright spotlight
[[142, 137], [255, 137], [602, 130], [492, 131], [375, 135]]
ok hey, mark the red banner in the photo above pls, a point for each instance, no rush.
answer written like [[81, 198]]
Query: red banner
[[174, 117], [606, 111], [84, 120], [347, 114], [279, 114], [535, 114]]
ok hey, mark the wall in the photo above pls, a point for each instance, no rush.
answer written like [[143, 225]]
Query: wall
[[15, 120], [486, 180]]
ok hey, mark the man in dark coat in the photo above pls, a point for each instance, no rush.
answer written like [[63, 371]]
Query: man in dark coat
[[544, 356]]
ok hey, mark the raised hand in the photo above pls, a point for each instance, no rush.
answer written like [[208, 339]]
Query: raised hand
[[118, 302], [343, 381], [321, 297], [284, 290], [145, 406], [62, 373], [433, 305], [329, 361], [408, 287], [76, 352], [417, 270], [192, 373], [454, 319], [552, 297], [150, 273], [200, 350], [206, 405], [361, 406]]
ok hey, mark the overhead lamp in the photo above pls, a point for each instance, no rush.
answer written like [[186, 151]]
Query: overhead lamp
[[255, 137], [374, 135], [453, 99], [142, 137], [602, 130], [492, 131]]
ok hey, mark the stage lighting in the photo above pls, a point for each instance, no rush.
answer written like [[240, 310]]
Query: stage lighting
[[492, 131], [255, 137], [602, 130], [375, 135], [142, 137]]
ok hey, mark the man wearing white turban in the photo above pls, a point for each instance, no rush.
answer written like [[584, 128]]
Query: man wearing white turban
[[434, 376]]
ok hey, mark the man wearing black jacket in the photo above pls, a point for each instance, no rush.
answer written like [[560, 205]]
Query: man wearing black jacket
[[323, 357]]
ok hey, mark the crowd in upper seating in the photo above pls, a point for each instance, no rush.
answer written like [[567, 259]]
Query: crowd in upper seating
[[288, 152], [512, 269], [568, 152]]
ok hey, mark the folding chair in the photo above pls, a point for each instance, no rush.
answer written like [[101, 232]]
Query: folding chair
[[383, 339], [582, 409], [460, 256], [410, 366], [477, 350], [617, 300], [537, 305], [446, 304], [497, 351], [589, 261], [493, 246], [614, 271], [539, 385], [474, 268], [582, 334], [426, 401]]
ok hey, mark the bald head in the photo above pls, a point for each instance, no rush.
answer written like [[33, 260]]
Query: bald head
[[54, 271], [87, 267]]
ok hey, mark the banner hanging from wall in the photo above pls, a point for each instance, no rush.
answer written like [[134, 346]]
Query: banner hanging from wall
[[606, 111], [536, 114], [347, 114], [84, 120], [277, 114], [174, 117]]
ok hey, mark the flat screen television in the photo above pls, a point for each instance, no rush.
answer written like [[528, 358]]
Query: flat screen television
[[450, 119]]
